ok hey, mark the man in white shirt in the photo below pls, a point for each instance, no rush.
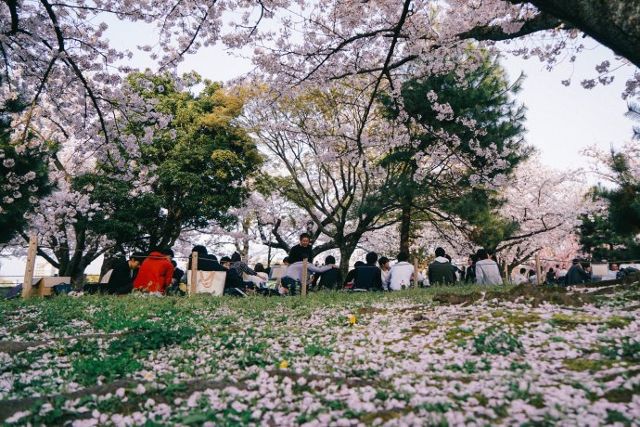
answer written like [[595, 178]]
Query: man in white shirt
[[521, 277], [401, 274], [487, 272]]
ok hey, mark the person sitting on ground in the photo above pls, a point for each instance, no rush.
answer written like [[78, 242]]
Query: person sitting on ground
[[441, 271], [240, 266], [612, 272], [261, 277], [261, 271], [470, 276], [225, 262], [401, 274], [156, 272], [385, 267], [533, 277], [368, 277], [561, 273], [174, 288], [123, 273], [206, 261], [521, 277], [232, 280], [458, 274], [331, 279], [351, 275], [292, 279], [487, 272], [177, 274], [577, 274], [551, 277]]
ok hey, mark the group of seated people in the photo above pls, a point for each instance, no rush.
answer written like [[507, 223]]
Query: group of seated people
[[158, 273]]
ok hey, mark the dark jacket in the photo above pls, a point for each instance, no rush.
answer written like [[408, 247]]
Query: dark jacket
[[470, 274], [351, 276], [331, 279], [368, 277], [298, 253], [233, 279], [441, 272], [577, 275], [121, 280]]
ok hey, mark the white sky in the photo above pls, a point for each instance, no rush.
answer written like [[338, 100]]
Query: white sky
[[561, 121]]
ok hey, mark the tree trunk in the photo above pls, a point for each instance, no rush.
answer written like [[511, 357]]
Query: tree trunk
[[614, 23], [405, 226], [345, 255]]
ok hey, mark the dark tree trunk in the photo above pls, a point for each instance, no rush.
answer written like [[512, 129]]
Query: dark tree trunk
[[405, 226], [614, 23], [345, 255]]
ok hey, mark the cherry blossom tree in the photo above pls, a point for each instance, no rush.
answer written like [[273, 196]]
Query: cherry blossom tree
[[545, 205], [311, 136]]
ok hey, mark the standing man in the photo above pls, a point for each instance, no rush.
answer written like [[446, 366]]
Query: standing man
[[302, 250], [156, 272], [121, 280]]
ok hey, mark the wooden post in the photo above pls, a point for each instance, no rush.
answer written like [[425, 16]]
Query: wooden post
[[538, 270], [194, 273], [31, 262], [305, 268], [507, 278]]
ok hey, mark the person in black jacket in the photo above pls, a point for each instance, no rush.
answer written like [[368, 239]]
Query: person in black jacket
[[302, 250], [441, 271], [121, 280], [349, 281], [577, 274], [369, 276], [331, 279], [470, 274], [206, 261]]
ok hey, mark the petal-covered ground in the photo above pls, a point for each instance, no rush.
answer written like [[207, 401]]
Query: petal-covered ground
[[444, 356]]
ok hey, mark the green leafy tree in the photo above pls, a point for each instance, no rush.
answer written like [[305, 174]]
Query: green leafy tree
[[600, 240], [614, 235], [190, 174], [198, 162], [451, 120], [23, 174]]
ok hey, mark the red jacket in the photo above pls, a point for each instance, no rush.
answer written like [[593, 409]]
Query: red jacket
[[154, 274]]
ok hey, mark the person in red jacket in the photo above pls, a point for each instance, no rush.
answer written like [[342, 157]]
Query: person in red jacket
[[156, 272]]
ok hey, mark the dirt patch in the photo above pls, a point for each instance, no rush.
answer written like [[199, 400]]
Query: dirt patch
[[372, 310], [27, 327], [457, 299], [13, 347], [529, 294]]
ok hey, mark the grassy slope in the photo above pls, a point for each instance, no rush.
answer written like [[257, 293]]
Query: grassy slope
[[293, 360]]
